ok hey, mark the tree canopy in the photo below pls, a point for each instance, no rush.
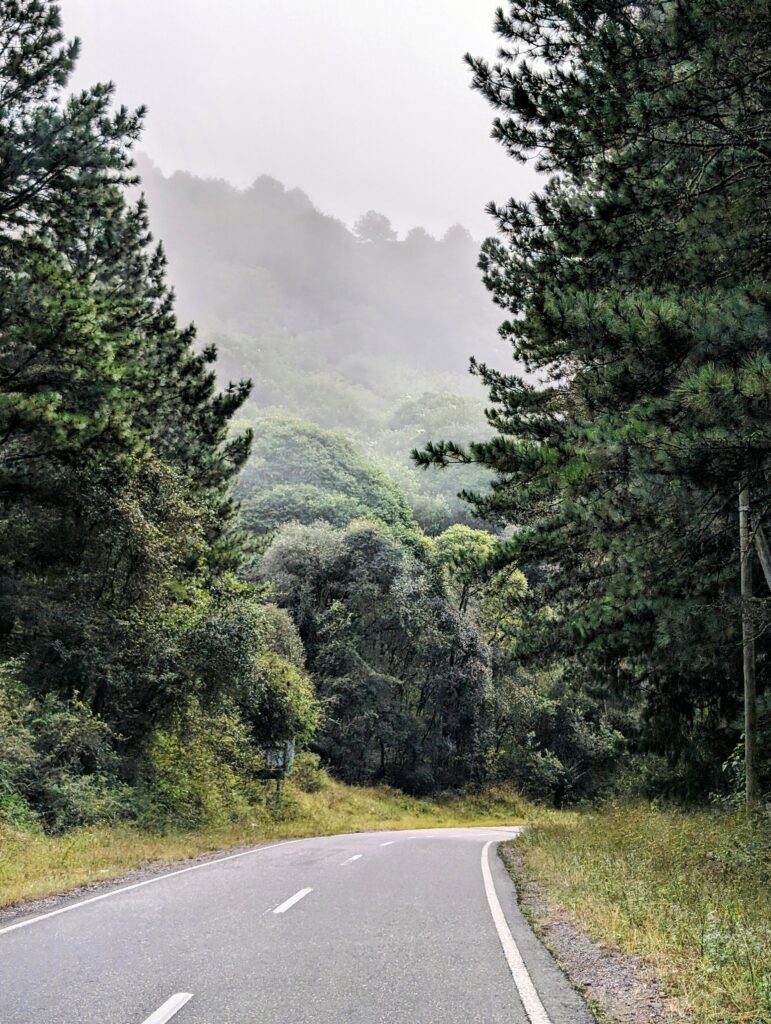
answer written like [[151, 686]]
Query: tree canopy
[[635, 286]]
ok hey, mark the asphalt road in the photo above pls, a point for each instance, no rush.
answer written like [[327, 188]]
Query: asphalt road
[[375, 928]]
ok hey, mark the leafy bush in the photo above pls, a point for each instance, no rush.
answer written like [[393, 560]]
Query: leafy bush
[[58, 763], [307, 773], [200, 772], [281, 704]]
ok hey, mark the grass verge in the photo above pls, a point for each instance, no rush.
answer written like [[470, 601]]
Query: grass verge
[[33, 865], [689, 892]]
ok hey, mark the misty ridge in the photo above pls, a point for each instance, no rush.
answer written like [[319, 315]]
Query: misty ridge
[[352, 331], [263, 268]]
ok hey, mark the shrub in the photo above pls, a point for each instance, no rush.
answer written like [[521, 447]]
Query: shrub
[[58, 764], [307, 773], [281, 703], [200, 772]]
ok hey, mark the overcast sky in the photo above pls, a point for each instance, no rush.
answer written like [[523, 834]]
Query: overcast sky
[[361, 103]]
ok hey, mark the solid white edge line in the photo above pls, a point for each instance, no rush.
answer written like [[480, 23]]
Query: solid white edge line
[[147, 881], [283, 907], [531, 1001], [356, 856], [170, 1008]]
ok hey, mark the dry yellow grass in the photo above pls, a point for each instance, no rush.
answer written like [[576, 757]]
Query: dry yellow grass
[[36, 865], [690, 892]]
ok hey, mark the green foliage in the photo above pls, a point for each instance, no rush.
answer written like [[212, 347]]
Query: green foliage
[[299, 472], [466, 554], [434, 497], [200, 772], [509, 616], [402, 675], [307, 773], [635, 286], [554, 743], [58, 765], [281, 704]]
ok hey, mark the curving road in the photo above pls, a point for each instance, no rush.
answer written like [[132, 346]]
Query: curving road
[[378, 928]]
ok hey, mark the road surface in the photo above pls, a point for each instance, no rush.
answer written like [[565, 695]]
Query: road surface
[[380, 928]]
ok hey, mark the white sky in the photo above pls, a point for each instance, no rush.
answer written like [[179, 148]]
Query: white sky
[[361, 103]]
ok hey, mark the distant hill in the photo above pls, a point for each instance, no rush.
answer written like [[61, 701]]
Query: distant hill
[[265, 262], [350, 330]]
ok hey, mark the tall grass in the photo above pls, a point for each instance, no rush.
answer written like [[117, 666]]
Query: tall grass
[[688, 891], [33, 864]]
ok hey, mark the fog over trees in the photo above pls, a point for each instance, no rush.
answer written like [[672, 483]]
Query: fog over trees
[[360, 302], [350, 328]]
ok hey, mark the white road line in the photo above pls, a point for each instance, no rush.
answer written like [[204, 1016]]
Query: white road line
[[531, 1001], [356, 856], [170, 1008], [147, 881], [389, 843], [283, 907]]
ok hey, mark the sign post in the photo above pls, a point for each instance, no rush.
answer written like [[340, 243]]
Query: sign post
[[279, 758]]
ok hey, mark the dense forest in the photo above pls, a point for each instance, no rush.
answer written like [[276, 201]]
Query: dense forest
[[217, 540]]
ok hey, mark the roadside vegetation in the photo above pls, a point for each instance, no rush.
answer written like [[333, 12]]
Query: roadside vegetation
[[689, 891]]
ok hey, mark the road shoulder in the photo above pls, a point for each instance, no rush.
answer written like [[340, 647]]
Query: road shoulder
[[620, 988]]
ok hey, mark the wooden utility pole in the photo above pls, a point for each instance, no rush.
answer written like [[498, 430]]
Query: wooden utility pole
[[752, 786]]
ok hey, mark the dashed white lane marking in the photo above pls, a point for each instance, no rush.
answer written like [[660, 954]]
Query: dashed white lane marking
[[389, 843], [170, 1008], [531, 1001], [147, 881], [356, 856], [283, 907]]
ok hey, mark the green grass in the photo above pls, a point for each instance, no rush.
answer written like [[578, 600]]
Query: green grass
[[34, 864], [690, 892]]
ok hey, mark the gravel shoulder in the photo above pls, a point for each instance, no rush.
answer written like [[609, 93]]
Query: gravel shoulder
[[620, 988]]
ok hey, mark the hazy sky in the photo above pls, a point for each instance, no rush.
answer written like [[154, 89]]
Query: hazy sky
[[361, 103]]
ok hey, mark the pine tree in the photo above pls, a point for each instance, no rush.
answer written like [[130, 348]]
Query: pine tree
[[116, 518], [636, 286]]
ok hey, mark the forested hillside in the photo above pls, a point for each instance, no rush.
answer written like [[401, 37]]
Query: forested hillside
[[354, 330]]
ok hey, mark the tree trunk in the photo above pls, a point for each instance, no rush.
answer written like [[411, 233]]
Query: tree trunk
[[752, 787]]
